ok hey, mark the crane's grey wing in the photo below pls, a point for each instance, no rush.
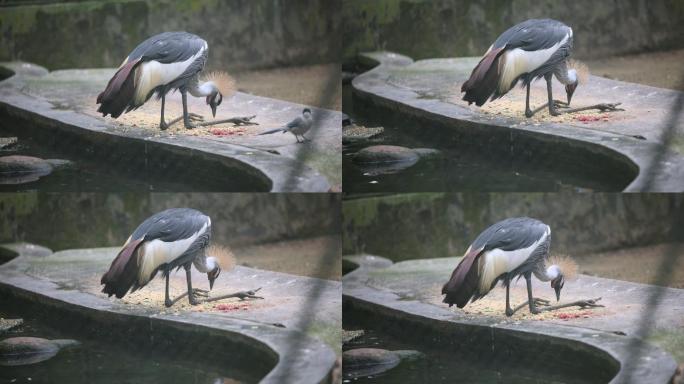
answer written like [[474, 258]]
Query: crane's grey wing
[[172, 225], [510, 234], [534, 35], [168, 47]]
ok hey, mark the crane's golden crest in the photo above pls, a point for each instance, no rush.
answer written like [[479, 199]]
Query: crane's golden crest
[[566, 264], [224, 256], [223, 81], [581, 69]]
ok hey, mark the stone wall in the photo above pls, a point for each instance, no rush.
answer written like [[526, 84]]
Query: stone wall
[[240, 33], [74, 220], [450, 28], [410, 226]]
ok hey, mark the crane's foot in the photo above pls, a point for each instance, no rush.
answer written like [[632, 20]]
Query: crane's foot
[[529, 113], [537, 302], [242, 295], [236, 121], [603, 107], [583, 304], [196, 292], [191, 116]]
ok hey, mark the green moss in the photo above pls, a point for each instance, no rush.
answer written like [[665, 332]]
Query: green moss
[[671, 341], [329, 333]]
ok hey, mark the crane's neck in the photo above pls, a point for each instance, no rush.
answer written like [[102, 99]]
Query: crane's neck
[[565, 75], [550, 273], [205, 89]]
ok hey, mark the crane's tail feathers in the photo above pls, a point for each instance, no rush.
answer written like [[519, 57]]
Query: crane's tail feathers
[[281, 129], [484, 79], [464, 281], [123, 273], [119, 92]]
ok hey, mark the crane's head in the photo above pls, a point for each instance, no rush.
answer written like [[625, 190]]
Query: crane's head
[[221, 85], [214, 272], [562, 267], [214, 100], [578, 73], [218, 256], [557, 285]]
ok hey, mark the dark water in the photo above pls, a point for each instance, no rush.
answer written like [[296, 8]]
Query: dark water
[[442, 367], [459, 168], [90, 171], [100, 362]]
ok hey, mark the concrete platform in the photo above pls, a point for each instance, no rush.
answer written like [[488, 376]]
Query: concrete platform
[[64, 101], [648, 135], [296, 329], [410, 291]]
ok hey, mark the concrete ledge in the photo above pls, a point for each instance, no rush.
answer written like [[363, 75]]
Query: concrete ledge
[[58, 109], [424, 91], [395, 299], [39, 280]]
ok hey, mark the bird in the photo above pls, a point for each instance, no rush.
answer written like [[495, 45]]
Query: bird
[[173, 238], [514, 247], [163, 63], [527, 51], [298, 127]]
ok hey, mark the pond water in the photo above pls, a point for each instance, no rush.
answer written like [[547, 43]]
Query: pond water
[[90, 171], [463, 166], [96, 361], [439, 366]]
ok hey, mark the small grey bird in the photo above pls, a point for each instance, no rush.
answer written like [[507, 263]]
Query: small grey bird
[[297, 127]]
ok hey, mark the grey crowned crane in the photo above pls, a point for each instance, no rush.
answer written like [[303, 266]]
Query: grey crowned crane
[[163, 63], [511, 248], [172, 239], [298, 127], [527, 51]]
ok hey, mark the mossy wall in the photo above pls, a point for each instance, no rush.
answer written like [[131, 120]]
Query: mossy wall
[[240, 33], [411, 226], [79, 220], [450, 28]]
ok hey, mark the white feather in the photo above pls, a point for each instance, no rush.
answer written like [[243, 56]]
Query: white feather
[[153, 74], [157, 252], [497, 261], [518, 61]]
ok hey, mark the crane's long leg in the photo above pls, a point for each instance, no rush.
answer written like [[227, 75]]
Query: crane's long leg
[[162, 123], [509, 311], [186, 118], [528, 112], [531, 300], [552, 106]]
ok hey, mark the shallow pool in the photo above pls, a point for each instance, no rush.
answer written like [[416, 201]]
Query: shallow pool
[[96, 361]]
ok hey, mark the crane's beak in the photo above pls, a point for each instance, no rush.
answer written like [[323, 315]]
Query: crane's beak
[[211, 282], [569, 90], [213, 109], [557, 288]]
